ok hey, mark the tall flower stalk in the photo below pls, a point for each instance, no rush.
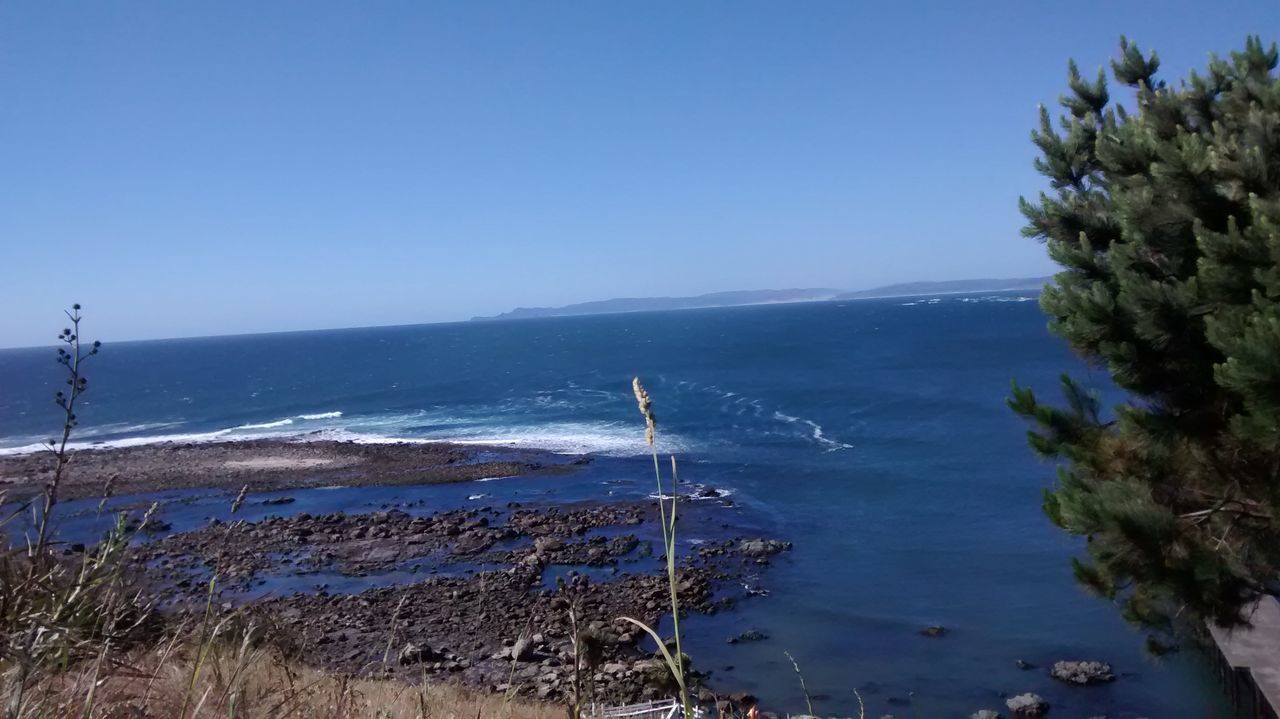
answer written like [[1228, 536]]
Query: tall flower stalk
[[674, 664]]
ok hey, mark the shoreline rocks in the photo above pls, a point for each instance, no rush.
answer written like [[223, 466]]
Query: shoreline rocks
[[485, 611]]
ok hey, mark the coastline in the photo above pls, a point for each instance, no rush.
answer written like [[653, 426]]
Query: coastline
[[479, 595], [274, 464]]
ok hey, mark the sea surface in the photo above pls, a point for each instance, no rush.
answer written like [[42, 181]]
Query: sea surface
[[873, 434]]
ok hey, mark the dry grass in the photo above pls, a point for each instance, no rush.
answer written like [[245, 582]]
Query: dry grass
[[251, 683]]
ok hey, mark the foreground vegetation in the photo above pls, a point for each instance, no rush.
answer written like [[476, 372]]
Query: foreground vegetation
[[1165, 214], [241, 680]]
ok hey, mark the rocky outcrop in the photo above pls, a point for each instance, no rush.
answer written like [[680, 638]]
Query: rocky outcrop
[[751, 635], [1027, 705], [1082, 672], [489, 618], [762, 548]]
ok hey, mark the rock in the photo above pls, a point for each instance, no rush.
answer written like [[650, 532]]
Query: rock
[[522, 650], [751, 635], [1030, 705], [415, 654], [1082, 672], [760, 548], [985, 714], [1024, 665], [936, 630], [543, 545], [614, 668]]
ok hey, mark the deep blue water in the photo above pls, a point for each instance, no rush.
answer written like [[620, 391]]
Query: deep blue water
[[873, 434]]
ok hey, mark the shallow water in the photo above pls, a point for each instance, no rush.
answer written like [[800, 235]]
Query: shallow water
[[873, 434]]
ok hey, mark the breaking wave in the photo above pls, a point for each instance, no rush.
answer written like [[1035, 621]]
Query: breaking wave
[[419, 427]]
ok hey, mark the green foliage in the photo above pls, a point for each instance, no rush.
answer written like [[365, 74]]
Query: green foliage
[[1164, 214]]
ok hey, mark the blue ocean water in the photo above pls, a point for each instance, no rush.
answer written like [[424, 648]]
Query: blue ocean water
[[872, 433]]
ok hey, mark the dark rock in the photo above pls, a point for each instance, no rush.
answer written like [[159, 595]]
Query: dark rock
[[760, 548], [751, 635], [934, 631]]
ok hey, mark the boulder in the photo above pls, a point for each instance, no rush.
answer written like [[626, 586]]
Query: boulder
[[762, 547], [1082, 672], [543, 545], [418, 653], [522, 650], [985, 714], [751, 635], [1027, 705]]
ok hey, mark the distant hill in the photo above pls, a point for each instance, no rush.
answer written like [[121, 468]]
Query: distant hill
[[645, 304], [739, 298], [947, 287]]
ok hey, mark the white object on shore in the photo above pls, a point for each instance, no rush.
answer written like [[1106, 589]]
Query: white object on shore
[[662, 709]]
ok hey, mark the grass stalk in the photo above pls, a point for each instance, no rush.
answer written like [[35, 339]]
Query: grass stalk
[[668, 519]]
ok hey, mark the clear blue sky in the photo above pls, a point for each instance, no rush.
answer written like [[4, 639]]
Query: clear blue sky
[[196, 168]]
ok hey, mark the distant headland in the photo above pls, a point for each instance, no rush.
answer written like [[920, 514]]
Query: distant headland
[[739, 298]]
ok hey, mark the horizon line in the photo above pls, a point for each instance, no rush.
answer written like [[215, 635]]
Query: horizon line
[[499, 319]]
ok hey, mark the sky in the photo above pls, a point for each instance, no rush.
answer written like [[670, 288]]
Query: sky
[[204, 168]]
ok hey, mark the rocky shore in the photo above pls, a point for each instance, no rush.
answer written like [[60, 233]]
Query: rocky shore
[[500, 598], [267, 464]]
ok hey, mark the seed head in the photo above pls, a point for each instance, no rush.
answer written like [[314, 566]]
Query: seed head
[[146, 517], [239, 500], [646, 409]]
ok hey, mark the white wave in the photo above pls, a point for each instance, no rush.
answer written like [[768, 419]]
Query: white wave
[[830, 444], [412, 427], [258, 430], [23, 449], [195, 437], [289, 420], [816, 432], [321, 415], [607, 438], [264, 425], [696, 493]]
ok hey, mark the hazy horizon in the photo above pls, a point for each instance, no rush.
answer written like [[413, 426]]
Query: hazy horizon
[[460, 320], [195, 170]]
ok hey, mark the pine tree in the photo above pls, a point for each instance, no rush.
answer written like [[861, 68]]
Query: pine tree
[[1165, 215]]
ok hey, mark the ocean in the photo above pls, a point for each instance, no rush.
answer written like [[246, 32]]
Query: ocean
[[873, 434]]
